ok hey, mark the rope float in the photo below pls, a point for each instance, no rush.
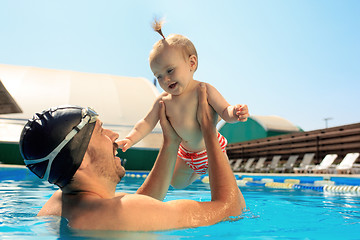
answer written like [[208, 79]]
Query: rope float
[[342, 189], [325, 186], [279, 185], [136, 175]]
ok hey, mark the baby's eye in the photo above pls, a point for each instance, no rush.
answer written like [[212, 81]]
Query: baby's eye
[[159, 77], [171, 70]]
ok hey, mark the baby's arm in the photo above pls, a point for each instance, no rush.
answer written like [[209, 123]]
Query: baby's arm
[[142, 127], [227, 112]]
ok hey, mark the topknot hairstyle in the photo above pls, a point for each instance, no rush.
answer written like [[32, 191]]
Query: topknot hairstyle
[[173, 40], [157, 24]]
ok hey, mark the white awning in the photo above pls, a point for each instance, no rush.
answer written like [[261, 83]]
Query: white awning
[[120, 101]]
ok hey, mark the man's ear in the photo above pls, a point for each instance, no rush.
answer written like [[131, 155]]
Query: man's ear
[[193, 62]]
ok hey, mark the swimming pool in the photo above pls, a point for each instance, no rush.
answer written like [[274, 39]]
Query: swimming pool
[[272, 213]]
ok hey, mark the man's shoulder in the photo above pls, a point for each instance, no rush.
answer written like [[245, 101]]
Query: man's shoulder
[[120, 194], [117, 213], [53, 206], [125, 198], [126, 201]]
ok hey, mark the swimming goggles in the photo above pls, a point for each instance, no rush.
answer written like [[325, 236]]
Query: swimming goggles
[[88, 116]]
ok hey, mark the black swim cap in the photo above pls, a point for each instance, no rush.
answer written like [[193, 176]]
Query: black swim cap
[[53, 143]]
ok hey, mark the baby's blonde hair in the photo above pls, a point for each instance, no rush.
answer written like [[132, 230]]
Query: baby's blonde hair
[[173, 40]]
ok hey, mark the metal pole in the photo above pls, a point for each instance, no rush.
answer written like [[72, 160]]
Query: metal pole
[[326, 121]]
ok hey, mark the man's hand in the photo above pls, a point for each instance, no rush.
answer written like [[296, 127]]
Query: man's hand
[[242, 112], [168, 131], [206, 115]]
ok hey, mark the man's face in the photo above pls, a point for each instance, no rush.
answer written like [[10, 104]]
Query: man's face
[[103, 149]]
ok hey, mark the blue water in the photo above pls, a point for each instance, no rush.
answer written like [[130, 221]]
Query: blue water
[[271, 213]]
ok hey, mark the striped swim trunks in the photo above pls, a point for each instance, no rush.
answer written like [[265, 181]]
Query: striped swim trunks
[[197, 161]]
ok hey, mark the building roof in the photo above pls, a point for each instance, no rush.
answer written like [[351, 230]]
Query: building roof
[[270, 123], [275, 123], [120, 101], [256, 127]]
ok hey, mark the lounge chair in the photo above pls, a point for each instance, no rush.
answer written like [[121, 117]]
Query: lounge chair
[[305, 162], [248, 164], [355, 169], [236, 165], [346, 164], [288, 166], [259, 164], [232, 162], [323, 166], [274, 164]]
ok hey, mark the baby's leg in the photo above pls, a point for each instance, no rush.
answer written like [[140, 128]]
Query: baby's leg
[[183, 175]]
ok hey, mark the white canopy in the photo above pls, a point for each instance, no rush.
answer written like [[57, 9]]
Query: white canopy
[[120, 101]]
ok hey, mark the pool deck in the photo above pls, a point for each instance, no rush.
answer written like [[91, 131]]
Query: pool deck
[[11, 166]]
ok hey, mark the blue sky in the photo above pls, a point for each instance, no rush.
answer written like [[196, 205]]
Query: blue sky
[[296, 59]]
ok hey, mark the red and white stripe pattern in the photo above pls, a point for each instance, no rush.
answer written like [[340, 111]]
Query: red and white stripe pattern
[[197, 161]]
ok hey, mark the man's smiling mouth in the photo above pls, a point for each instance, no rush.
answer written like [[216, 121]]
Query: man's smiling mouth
[[115, 149]]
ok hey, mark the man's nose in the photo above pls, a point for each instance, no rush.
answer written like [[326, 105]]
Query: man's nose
[[112, 135], [115, 136]]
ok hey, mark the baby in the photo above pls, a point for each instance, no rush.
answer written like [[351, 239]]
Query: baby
[[174, 60]]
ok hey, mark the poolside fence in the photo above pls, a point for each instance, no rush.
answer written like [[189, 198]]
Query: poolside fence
[[339, 140]]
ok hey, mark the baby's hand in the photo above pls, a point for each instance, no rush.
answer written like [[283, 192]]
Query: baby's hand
[[242, 112], [125, 144]]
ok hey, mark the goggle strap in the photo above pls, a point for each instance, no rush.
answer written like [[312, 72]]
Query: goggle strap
[[55, 152]]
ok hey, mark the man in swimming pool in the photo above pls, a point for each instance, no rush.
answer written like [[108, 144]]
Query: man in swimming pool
[[87, 198]]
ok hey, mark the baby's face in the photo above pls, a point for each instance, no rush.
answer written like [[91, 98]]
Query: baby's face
[[172, 70]]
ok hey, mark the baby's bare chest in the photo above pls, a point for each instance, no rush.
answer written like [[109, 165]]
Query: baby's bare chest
[[182, 115]]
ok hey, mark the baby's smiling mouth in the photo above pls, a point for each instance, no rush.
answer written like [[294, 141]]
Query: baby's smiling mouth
[[173, 85]]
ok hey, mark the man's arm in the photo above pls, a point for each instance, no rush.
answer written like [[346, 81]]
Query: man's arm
[[157, 183], [222, 181], [226, 197]]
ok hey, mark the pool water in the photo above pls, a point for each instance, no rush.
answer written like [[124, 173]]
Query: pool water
[[271, 213]]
